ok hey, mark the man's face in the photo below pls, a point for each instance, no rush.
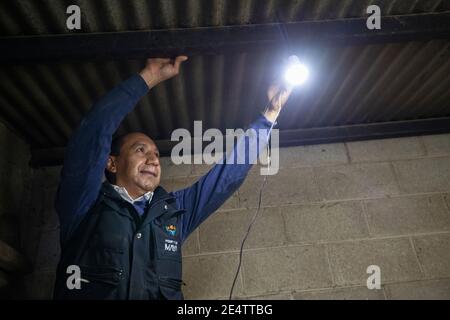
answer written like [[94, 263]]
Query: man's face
[[137, 167]]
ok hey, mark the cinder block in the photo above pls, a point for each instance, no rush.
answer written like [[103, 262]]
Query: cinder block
[[356, 181], [288, 186], [48, 177], [171, 170], [225, 231], [176, 184], [48, 217], [23, 287], [278, 296], [395, 257], [331, 221], [202, 169], [50, 221], [249, 190], [210, 277], [232, 202], [12, 188], [407, 215], [12, 260], [353, 293], [190, 245], [49, 251], [288, 268], [43, 284], [29, 238], [37, 191], [437, 145], [424, 175], [385, 149], [314, 155], [4, 133], [4, 279], [50, 197], [14, 150], [20, 153], [434, 254], [419, 290], [9, 230]]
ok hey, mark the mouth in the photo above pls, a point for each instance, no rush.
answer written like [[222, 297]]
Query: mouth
[[148, 173]]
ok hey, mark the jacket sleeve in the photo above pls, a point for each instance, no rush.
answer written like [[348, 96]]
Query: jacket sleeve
[[206, 195], [87, 153]]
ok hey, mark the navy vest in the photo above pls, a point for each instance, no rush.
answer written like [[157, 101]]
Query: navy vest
[[121, 255]]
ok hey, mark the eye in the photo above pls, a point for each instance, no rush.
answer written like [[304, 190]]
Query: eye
[[140, 149]]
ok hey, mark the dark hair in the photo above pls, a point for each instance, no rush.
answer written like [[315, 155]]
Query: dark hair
[[116, 145]]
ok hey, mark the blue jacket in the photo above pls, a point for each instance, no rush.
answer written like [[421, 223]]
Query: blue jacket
[[89, 210]]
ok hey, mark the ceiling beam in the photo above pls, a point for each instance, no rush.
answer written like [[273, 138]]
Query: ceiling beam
[[214, 40], [298, 137]]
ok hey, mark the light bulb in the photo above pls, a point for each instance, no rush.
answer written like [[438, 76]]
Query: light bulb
[[296, 72]]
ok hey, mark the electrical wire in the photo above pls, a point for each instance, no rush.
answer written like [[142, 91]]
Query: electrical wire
[[286, 42], [278, 96]]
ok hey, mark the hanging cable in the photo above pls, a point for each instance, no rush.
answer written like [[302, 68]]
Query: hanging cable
[[278, 96], [293, 81]]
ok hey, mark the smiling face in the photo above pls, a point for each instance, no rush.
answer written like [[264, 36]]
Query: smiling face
[[137, 166]]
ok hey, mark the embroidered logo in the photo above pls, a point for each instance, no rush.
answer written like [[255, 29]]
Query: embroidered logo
[[170, 245], [171, 229]]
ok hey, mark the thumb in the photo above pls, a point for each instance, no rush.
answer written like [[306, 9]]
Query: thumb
[[178, 61]]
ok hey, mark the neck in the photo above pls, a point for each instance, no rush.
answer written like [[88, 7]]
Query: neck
[[132, 192]]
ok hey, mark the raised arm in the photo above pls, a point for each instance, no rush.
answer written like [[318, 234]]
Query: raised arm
[[88, 148], [206, 195]]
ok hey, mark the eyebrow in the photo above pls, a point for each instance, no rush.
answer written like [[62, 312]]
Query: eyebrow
[[139, 143], [142, 143]]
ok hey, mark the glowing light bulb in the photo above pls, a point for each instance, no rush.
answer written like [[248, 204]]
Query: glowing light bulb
[[296, 72]]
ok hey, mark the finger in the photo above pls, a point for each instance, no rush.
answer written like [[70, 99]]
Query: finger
[[289, 90], [178, 62], [162, 60]]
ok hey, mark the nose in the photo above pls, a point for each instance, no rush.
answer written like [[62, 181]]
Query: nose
[[152, 159]]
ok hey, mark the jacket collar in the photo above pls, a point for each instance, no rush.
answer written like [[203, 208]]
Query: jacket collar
[[160, 197], [159, 193]]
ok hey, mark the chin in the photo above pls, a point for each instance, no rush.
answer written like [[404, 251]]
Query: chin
[[150, 186]]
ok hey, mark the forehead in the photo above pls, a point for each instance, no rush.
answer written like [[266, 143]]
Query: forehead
[[137, 138]]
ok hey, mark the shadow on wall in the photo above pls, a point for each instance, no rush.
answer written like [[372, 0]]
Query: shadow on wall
[[14, 199]]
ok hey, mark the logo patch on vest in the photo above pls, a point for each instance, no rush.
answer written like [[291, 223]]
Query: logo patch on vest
[[171, 245], [171, 229]]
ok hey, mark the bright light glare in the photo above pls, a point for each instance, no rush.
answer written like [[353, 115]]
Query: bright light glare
[[296, 73]]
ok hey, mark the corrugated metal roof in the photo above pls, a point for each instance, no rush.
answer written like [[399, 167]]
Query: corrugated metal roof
[[350, 85], [29, 17]]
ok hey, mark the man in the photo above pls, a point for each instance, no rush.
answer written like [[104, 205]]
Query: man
[[124, 236]]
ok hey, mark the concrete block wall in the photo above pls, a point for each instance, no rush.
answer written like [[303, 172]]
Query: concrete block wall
[[40, 236], [332, 211], [15, 175]]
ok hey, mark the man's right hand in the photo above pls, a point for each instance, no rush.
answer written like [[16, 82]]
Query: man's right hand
[[158, 69]]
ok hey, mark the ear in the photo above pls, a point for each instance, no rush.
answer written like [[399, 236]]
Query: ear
[[111, 164]]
